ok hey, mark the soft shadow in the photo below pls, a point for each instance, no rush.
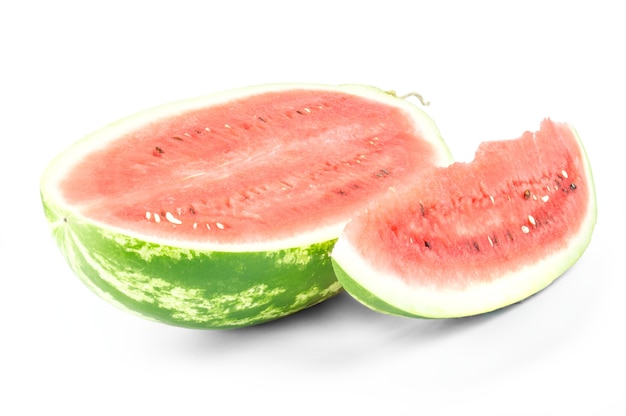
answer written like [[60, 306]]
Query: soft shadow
[[337, 327], [426, 330]]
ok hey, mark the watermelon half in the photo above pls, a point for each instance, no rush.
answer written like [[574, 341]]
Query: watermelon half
[[478, 236], [221, 211]]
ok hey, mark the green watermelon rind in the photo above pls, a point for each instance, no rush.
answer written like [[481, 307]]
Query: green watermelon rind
[[364, 296], [193, 288], [385, 292], [203, 285]]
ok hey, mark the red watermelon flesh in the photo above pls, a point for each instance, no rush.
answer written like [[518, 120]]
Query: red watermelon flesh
[[475, 236], [252, 169]]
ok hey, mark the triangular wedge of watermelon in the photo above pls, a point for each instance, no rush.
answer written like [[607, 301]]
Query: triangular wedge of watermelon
[[221, 211], [474, 237]]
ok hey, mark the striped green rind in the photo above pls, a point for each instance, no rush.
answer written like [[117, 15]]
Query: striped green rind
[[193, 288]]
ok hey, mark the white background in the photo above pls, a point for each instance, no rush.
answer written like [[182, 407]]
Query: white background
[[490, 69]]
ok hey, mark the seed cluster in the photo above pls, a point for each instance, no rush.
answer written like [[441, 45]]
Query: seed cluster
[[169, 217]]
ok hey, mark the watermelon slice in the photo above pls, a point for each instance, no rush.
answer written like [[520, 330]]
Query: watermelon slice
[[221, 211], [474, 237]]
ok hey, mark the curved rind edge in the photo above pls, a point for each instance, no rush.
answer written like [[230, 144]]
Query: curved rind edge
[[363, 295]]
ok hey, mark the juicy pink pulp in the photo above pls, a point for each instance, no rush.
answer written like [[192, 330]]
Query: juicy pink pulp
[[516, 202], [252, 169]]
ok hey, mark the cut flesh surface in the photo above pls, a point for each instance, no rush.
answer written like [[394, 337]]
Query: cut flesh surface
[[259, 168], [474, 237]]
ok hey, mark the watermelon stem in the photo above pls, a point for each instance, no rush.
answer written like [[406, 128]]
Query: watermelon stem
[[416, 95], [410, 94]]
